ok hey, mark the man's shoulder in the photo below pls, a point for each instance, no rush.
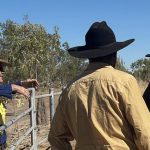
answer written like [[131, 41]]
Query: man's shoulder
[[108, 74], [121, 76]]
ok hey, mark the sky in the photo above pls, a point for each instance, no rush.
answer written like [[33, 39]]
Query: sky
[[128, 19]]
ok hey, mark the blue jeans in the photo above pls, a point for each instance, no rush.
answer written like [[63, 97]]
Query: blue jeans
[[3, 138]]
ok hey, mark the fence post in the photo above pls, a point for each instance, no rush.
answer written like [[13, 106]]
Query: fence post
[[33, 120], [52, 104]]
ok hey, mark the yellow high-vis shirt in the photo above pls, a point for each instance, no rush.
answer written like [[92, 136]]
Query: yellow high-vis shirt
[[102, 109], [2, 113]]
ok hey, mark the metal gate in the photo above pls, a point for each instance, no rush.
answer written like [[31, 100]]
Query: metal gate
[[32, 111]]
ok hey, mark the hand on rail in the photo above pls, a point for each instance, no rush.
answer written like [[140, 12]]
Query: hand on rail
[[30, 83], [21, 90]]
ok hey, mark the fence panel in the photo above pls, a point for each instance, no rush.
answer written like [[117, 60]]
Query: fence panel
[[33, 126]]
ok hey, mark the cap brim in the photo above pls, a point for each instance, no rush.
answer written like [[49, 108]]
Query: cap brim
[[86, 52], [5, 63]]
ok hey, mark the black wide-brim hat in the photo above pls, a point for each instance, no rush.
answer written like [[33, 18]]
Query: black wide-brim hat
[[100, 41]]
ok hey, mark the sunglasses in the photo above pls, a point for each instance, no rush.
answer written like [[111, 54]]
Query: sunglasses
[[2, 68]]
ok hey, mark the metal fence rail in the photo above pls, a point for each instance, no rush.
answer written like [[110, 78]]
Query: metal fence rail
[[11, 122], [32, 111]]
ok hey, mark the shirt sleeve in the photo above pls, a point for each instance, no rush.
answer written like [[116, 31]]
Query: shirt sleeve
[[6, 90], [59, 135], [18, 83], [138, 115]]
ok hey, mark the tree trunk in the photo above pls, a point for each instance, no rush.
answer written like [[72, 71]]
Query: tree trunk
[[42, 117]]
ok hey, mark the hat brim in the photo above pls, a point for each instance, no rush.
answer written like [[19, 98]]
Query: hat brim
[[148, 55], [86, 52], [5, 63]]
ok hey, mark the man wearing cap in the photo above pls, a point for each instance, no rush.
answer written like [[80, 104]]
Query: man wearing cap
[[103, 108], [6, 90]]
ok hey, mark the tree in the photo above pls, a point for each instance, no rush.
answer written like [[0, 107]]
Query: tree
[[30, 49], [69, 67], [120, 65], [34, 53], [141, 69]]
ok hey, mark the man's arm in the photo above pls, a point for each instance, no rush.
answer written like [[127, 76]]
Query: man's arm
[[6, 90], [138, 115], [59, 135], [30, 83], [20, 90]]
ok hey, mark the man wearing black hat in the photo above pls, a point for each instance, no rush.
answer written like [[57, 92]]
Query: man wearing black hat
[[6, 90], [103, 108]]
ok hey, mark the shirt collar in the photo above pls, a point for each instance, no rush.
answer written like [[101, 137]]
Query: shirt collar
[[97, 65]]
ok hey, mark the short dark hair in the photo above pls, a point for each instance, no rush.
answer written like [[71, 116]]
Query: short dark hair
[[104, 58]]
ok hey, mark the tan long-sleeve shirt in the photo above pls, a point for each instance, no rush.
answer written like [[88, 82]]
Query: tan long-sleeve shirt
[[102, 110]]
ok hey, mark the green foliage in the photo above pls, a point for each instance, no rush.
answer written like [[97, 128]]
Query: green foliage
[[70, 66], [141, 69], [34, 53], [25, 46], [120, 65]]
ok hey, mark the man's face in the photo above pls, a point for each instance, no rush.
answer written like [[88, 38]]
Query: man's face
[[1, 73]]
